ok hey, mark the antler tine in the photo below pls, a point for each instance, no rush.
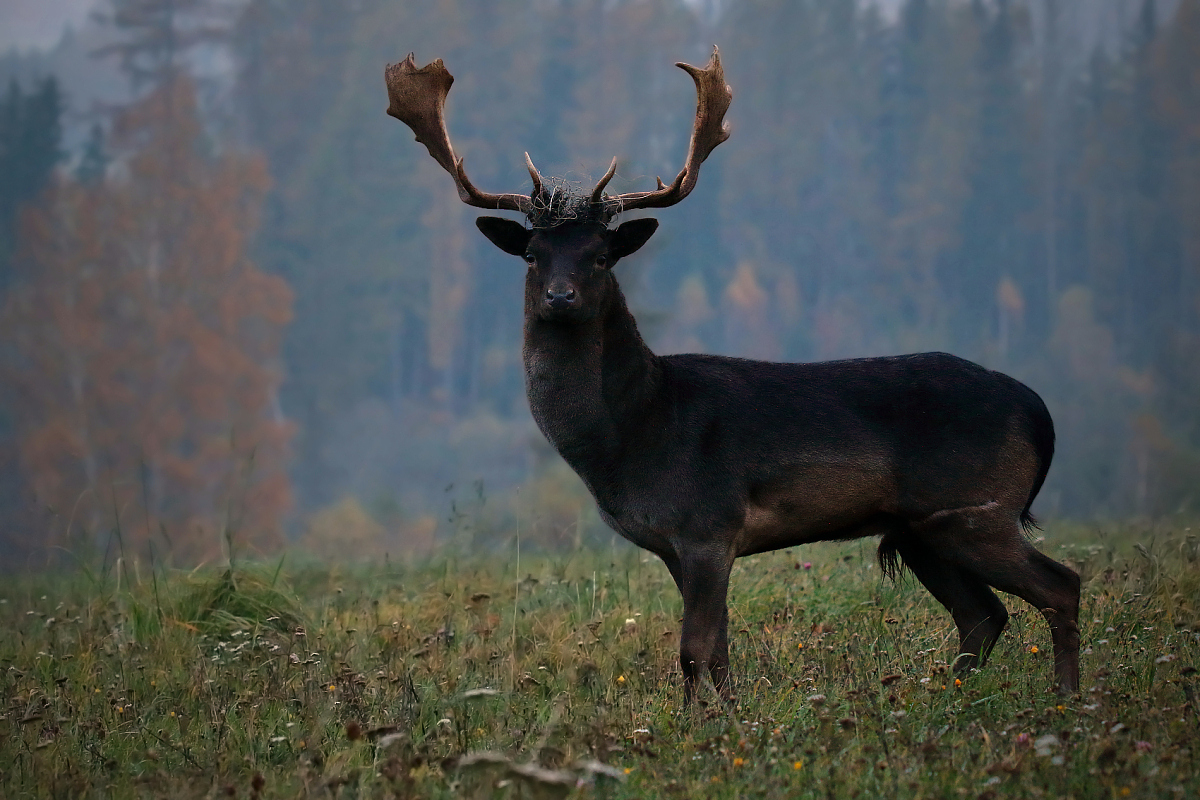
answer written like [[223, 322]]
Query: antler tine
[[712, 101], [417, 97], [598, 192], [535, 175]]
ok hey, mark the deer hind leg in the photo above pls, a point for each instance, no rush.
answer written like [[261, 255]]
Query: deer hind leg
[[978, 614], [1053, 589], [989, 544], [703, 580]]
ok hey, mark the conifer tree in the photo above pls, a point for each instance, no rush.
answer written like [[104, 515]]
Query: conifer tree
[[30, 148], [157, 35]]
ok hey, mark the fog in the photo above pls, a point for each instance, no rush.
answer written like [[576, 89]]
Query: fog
[[36, 24], [243, 308]]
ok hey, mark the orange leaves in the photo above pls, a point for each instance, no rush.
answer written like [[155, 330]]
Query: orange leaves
[[148, 345]]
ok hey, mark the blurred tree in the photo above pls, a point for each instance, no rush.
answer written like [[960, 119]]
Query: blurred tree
[[1093, 397], [157, 35], [928, 109], [93, 162], [1052, 88], [146, 346], [798, 195], [1174, 77], [30, 148], [1155, 226], [994, 241], [903, 96], [342, 225], [746, 314]]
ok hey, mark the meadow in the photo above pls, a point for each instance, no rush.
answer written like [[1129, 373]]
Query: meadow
[[502, 674]]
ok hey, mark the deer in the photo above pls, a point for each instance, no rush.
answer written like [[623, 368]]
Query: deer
[[704, 459]]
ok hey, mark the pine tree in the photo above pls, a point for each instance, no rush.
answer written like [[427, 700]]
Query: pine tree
[[157, 35], [993, 241], [30, 148], [923, 119]]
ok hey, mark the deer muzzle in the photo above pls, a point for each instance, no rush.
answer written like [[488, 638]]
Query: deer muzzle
[[561, 298]]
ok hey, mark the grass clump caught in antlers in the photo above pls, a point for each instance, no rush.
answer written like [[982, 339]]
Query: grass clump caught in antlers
[[464, 677]]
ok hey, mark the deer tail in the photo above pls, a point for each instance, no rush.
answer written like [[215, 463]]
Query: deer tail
[[889, 556], [1042, 437]]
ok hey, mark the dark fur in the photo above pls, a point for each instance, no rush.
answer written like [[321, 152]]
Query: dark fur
[[1042, 437], [702, 459]]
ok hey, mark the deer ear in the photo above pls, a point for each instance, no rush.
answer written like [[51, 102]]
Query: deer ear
[[509, 235], [630, 236]]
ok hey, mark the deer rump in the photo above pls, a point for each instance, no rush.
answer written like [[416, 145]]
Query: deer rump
[[787, 453]]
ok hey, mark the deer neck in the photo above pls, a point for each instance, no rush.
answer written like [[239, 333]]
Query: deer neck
[[590, 385]]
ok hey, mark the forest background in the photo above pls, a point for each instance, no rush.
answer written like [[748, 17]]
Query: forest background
[[240, 306]]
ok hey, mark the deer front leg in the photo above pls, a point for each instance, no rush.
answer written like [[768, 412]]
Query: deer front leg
[[703, 579]]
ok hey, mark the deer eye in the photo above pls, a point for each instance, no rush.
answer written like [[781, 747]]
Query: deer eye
[[529, 259], [601, 261]]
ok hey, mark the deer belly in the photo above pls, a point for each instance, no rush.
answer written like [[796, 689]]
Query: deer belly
[[815, 505]]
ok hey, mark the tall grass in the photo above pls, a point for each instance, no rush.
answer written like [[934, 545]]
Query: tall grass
[[462, 676]]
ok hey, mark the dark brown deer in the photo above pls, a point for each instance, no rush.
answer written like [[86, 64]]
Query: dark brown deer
[[702, 459]]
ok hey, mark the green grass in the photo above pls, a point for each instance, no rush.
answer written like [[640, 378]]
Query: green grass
[[346, 682]]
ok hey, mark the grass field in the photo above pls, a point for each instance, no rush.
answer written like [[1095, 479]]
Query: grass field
[[494, 675]]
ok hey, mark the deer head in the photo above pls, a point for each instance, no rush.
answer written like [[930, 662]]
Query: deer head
[[569, 276], [567, 244]]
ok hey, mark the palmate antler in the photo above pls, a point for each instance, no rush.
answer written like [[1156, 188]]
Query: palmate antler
[[417, 97], [713, 96]]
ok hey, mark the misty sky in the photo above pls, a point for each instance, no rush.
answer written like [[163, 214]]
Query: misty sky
[[26, 24], [950, 184]]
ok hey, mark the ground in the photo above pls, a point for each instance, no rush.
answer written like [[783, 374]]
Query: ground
[[554, 676]]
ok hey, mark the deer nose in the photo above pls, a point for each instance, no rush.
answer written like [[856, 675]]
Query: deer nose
[[560, 299]]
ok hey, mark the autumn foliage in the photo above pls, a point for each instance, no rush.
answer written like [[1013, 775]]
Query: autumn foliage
[[144, 349]]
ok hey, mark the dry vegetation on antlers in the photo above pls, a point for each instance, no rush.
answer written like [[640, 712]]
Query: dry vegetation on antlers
[[463, 677]]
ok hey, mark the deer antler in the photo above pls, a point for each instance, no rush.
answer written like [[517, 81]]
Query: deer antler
[[417, 98], [712, 101]]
